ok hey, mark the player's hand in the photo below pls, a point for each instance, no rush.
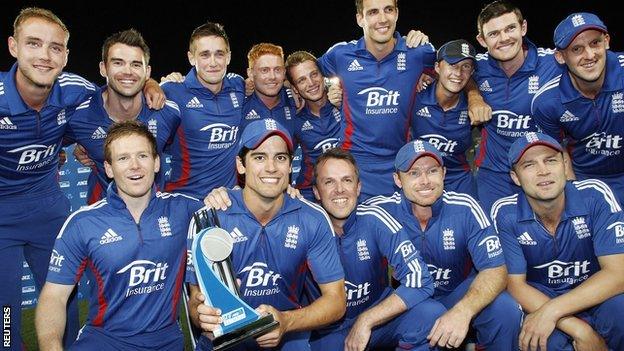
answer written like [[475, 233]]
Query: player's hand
[[81, 155], [334, 93], [249, 86], [154, 95], [272, 338], [416, 38], [536, 329], [423, 82], [450, 329], [358, 337], [479, 112], [588, 340], [218, 199], [209, 317], [175, 77], [293, 192]]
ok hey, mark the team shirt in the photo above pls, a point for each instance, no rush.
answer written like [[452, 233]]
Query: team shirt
[[89, 126], [137, 268], [449, 131], [457, 240], [205, 145], [315, 135], [284, 112], [373, 239], [29, 140], [592, 225], [592, 126], [271, 260], [510, 99]]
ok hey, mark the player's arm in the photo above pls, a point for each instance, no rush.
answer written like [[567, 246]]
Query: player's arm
[[203, 316], [478, 110], [326, 309], [50, 316], [154, 95], [383, 312]]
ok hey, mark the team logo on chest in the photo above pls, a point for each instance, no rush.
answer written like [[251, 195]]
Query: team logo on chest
[[152, 125], [580, 227], [463, 117], [362, 250], [287, 113], [292, 236], [448, 239], [533, 86], [60, 118], [164, 226], [234, 99], [617, 103], [401, 61]]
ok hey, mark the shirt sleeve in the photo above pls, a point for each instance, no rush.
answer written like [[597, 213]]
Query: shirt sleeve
[[514, 256], [546, 116], [322, 255], [69, 256], [608, 234], [483, 243], [327, 62]]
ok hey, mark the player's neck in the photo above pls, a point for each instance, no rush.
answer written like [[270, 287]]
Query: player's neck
[[380, 50], [35, 96], [315, 106], [263, 209], [549, 212], [512, 66], [136, 205], [269, 101], [588, 89], [121, 108], [423, 214], [214, 88], [446, 99]]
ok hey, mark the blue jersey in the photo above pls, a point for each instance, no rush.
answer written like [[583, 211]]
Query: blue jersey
[[458, 237], [138, 268], [592, 225], [30, 140], [510, 99], [284, 112], [89, 124], [376, 94], [315, 135], [204, 149], [271, 260], [449, 131], [373, 238], [592, 126]]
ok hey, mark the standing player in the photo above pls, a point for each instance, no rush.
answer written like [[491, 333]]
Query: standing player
[[440, 114], [461, 249], [205, 145], [368, 239], [317, 125], [278, 238], [125, 65], [564, 247], [508, 76], [134, 243], [586, 103]]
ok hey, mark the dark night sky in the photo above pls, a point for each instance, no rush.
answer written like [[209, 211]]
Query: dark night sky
[[303, 24]]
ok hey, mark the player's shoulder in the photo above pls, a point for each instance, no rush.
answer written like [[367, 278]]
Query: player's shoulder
[[373, 216], [504, 208], [178, 198], [83, 215], [171, 107], [548, 94], [465, 206], [389, 203], [595, 190], [342, 47]]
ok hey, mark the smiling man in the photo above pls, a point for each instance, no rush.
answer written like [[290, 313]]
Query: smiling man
[[564, 248], [133, 242]]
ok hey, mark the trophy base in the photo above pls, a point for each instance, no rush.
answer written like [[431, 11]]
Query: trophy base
[[261, 326]]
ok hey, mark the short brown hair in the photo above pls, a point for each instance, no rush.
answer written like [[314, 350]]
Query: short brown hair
[[338, 154], [124, 129], [208, 29], [496, 9], [359, 6], [263, 49], [130, 37], [38, 12], [297, 58]]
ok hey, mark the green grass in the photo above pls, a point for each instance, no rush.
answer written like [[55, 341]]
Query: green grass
[[30, 338]]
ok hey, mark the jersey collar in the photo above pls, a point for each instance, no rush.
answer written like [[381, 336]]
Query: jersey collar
[[17, 105], [573, 205], [191, 82], [113, 198], [614, 80], [400, 44], [239, 206], [428, 97], [406, 206], [529, 64]]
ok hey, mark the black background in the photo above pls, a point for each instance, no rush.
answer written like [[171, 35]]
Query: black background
[[295, 25]]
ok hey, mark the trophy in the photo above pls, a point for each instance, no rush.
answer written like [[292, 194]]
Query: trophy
[[211, 252]]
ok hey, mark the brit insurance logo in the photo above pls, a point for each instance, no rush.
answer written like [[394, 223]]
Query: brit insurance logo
[[603, 144], [618, 231], [327, 144], [222, 136], [511, 124], [34, 156], [259, 280], [441, 276], [560, 272], [357, 294], [444, 145], [56, 261], [492, 246], [380, 101], [144, 277]]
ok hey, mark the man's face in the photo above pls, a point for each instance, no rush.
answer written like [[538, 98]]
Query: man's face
[[210, 56], [502, 37], [308, 80], [337, 187], [378, 20], [268, 74], [423, 183], [541, 173], [132, 166], [453, 78], [125, 69], [266, 169], [586, 56], [41, 51]]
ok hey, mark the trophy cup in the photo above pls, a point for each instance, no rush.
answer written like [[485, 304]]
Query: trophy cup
[[211, 251]]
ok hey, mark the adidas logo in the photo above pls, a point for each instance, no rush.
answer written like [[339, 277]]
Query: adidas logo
[[525, 239], [110, 237], [252, 115], [355, 66], [568, 117], [423, 112], [194, 103], [5, 123], [99, 133], [485, 86], [307, 126], [237, 236]]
